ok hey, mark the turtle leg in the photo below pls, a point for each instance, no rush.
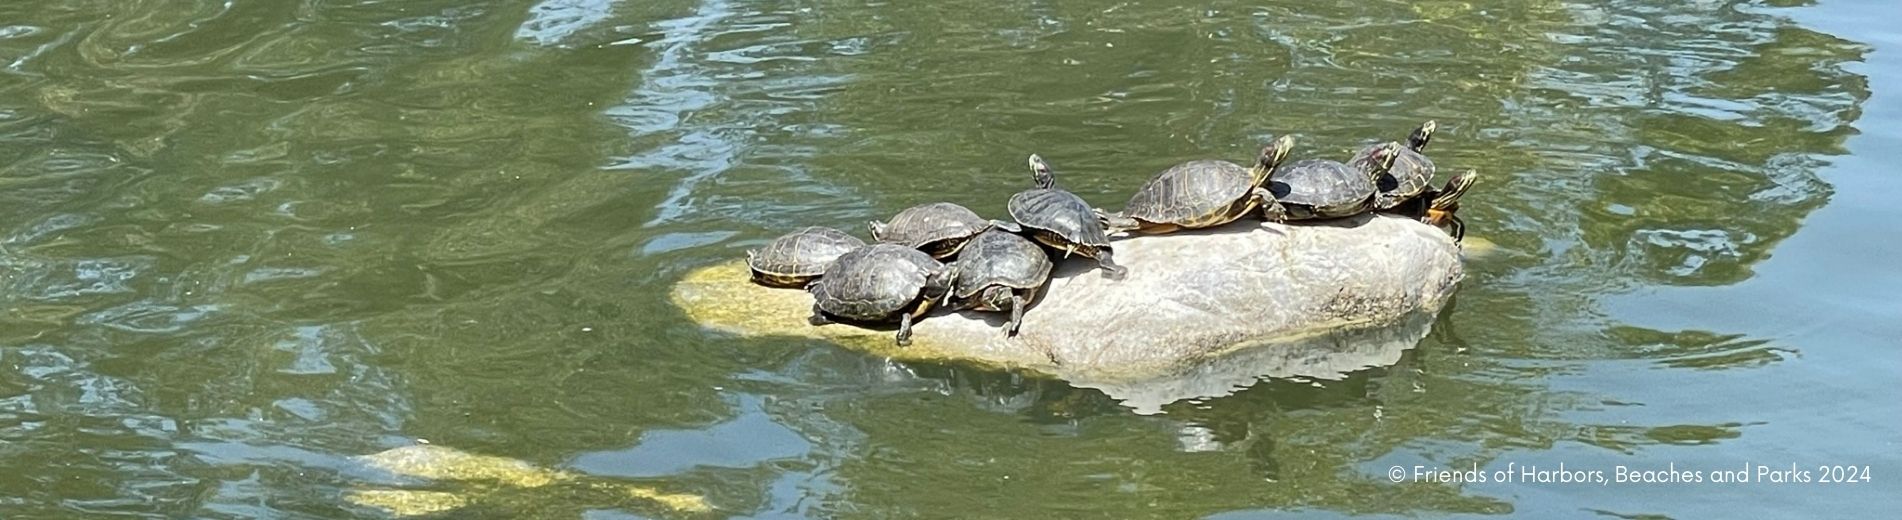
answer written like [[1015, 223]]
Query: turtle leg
[[1271, 209], [904, 329], [1459, 226], [1110, 269], [1421, 204], [1016, 313], [1116, 222], [818, 317]]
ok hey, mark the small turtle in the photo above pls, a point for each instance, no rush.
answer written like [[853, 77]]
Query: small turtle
[[1062, 220], [1318, 188], [1000, 271], [938, 228], [1445, 202], [878, 284], [1410, 175], [797, 258], [1205, 193]]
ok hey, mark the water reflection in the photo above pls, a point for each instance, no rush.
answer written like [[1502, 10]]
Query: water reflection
[[750, 439]]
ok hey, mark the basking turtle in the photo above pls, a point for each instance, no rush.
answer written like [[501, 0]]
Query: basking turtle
[[880, 283], [1000, 271], [797, 258], [1412, 171], [938, 228], [1318, 188], [1445, 201], [1062, 220], [1205, 193]]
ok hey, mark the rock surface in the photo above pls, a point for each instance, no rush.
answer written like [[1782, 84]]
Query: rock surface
[[1190, 299]]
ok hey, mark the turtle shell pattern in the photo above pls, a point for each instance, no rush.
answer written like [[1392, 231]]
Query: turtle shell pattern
[[1192, 194], [1409, 178], [938, 228], [1000, 258], [1058, 218], [1319, 188], [874, 283], [796, 258]]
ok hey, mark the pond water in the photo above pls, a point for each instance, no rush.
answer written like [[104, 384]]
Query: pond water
[[243, 242]]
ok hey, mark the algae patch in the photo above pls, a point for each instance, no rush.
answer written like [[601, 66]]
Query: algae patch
[[464, 479]]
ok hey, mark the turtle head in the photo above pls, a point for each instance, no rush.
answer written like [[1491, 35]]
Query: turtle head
[[1040, 172], [941, 281], [1449, 195], [1418, 140], [995, 297], [1383, 160], [878, 230], [1271, 157]]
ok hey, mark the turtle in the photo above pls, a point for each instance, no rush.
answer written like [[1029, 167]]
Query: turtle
[[797, 258], [1319, 189], [1444, 202], [1062, 220], [880, 283], [1410, 175], [1000, 271], [938, 228], [1204, 193]]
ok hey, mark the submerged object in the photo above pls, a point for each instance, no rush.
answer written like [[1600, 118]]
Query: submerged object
[[464, 478]]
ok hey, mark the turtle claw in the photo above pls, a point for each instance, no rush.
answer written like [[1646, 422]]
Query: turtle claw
[[1016, 314], [1110, 269], [1275, 213], [818, 317], [904, 330], [1117, 222]]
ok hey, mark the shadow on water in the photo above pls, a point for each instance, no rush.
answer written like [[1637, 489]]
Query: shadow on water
[[245, 241]]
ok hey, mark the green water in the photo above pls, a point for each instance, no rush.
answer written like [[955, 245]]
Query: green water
[[244, 241]]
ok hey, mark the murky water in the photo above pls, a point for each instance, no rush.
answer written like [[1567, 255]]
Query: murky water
[[242, 242]]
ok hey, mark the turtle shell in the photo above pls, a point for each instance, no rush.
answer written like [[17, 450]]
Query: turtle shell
[[1319, 188], [874, 283], [1058, 218], [938, 228], [1192, 194], [796, 258], [1000, 258], [1408, 179]]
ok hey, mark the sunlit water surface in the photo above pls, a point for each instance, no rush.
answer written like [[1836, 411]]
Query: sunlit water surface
[[242, 242]]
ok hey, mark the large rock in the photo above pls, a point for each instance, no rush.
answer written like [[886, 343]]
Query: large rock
[[1190, 300]]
